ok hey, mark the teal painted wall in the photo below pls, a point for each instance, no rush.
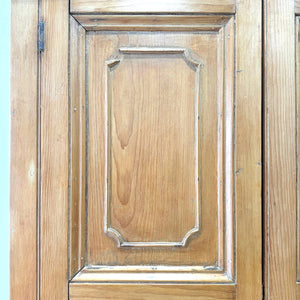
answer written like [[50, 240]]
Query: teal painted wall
[[4, 147]]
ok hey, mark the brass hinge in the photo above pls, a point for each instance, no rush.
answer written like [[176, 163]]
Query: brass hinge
[[41, 36]]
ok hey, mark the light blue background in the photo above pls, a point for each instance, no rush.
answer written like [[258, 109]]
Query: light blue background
[[4, 147]]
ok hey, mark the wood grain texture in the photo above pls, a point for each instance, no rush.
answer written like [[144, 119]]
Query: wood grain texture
[[152, 6], [153, 22], [205, 248], [248, 149], [147, 292], [280, 151], [77, 173], [54, 152], [23, 157], [153, 204]]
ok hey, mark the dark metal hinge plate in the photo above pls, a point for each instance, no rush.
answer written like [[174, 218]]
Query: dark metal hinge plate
[[41, 36]]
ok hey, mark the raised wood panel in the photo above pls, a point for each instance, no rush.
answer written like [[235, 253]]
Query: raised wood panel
[[173, 112], [145, 129], [79, 291], [152, 6], [153, 119]]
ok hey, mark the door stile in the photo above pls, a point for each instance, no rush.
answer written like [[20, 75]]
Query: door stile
[[280, 150], [248, 149], [53, 246]]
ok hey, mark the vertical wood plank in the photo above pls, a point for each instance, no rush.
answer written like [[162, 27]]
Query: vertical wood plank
[[23, 170], [248, 149], [54, 152], [280, 150]]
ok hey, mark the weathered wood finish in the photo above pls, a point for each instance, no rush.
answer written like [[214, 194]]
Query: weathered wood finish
[[54, 236], [152, 6], [149, 292], [23, 159], [280, 150]]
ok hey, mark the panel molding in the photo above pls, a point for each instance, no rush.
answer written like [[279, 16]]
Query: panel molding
[[156, 22], [224, 269], [151, 274], [77, 147]]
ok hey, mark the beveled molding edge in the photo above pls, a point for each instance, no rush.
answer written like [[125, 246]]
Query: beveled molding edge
[[111, 64], [153, 22], [121, 243], [152, 275]]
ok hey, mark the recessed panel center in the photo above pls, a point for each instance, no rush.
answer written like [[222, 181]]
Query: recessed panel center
[[152, 100]]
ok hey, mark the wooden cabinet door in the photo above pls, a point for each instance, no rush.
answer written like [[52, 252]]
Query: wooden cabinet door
[[149, 150]]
